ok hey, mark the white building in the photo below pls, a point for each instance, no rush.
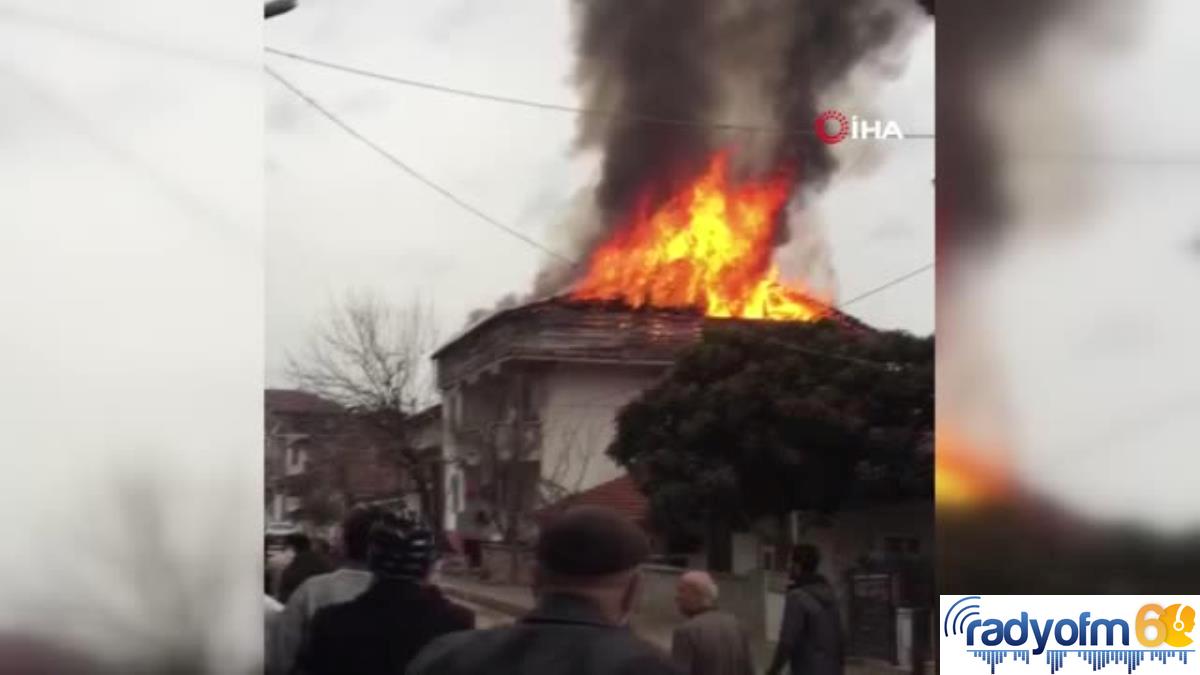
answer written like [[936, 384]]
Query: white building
[[531, 395]]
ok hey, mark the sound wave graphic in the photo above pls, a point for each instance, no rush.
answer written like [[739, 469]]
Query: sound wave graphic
[[993, 657], [1096, 658], [955, 625], [1099, 658]]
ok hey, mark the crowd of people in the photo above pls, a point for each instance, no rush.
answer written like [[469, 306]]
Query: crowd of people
[[379, 614]]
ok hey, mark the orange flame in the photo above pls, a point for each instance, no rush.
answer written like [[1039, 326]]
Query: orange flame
[[707, 248], [963, 477]]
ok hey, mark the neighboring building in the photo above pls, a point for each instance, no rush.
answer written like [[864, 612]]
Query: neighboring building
[[426, 436], [619, 494], [531, 395], [295, 423], [320, 461]]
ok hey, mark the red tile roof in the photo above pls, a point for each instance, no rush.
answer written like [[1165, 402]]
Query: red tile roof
[[297, 401], [620, 494]]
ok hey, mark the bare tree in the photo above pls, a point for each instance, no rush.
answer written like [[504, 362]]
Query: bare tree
[[368, 354], [505, 440], [526, 466], [501, 435], [371, 357], [564, 478]]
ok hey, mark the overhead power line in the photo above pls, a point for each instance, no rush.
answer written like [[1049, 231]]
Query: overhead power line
[[883, 287], [408, 169], [403, 166], [888, 365], [1186, 160], [544, 105]]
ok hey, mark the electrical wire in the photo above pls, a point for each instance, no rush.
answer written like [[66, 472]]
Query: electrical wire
[[420, 177], [543, 105], [883, 287]]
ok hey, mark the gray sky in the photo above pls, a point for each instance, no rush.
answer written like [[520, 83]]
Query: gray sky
[[130, 166], [1089, 310], [339, 216]]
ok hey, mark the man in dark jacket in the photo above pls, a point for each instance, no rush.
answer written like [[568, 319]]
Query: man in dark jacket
[[586, 583], [810, 638], [380, 631], [338, 586], [305, 563]]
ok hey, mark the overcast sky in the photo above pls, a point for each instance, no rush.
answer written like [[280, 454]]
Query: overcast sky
[[340, 217], [1089, 310]]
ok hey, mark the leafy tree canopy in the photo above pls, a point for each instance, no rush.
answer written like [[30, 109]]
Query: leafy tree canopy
[[764, 419]]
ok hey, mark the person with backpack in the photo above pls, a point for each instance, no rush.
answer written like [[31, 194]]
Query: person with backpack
[[380, 631], [341, 585]]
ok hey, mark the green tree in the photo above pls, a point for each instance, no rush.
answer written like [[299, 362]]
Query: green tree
[[762, 419]]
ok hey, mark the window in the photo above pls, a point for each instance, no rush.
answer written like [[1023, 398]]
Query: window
[[297, 459]]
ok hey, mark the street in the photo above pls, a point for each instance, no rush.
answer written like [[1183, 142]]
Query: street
[[485, 617]]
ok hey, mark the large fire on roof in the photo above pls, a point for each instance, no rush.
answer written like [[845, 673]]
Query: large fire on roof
[[708, 248]]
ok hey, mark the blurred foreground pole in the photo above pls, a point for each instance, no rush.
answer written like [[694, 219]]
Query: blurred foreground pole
[[277, 7]]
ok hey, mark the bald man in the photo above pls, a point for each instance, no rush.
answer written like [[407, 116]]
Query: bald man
[[586, 582], [710, 642]]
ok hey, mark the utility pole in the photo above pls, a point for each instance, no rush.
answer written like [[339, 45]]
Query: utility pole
[[277, 7]]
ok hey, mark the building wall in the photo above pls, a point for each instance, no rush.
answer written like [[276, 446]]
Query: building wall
[[578, 405], [427, 429], [855, 533], [563, 415], [454, 487], [479, 416]]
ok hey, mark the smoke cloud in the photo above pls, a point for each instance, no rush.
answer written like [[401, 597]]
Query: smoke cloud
[[982, 38], [681, 80], [686, 78]]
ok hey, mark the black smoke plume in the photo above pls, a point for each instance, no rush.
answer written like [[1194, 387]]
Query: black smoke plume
[[979, 38], [665, 68], [672, 81]]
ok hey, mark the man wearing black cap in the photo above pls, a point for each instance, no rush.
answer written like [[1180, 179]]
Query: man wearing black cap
[[586, 582], [380, 631]]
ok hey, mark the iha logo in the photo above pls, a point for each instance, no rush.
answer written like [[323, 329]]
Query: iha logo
[[832, 126], [1099, 637]]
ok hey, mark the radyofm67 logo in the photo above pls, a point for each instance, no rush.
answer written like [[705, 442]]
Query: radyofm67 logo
[[1175, 631], [1099, 630]]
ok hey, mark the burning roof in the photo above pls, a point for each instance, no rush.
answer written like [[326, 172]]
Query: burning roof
[[686, 216], [708, 247], [567, 329], [709, 159]]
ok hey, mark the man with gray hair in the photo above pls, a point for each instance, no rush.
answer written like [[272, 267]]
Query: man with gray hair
[[710, 642]]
